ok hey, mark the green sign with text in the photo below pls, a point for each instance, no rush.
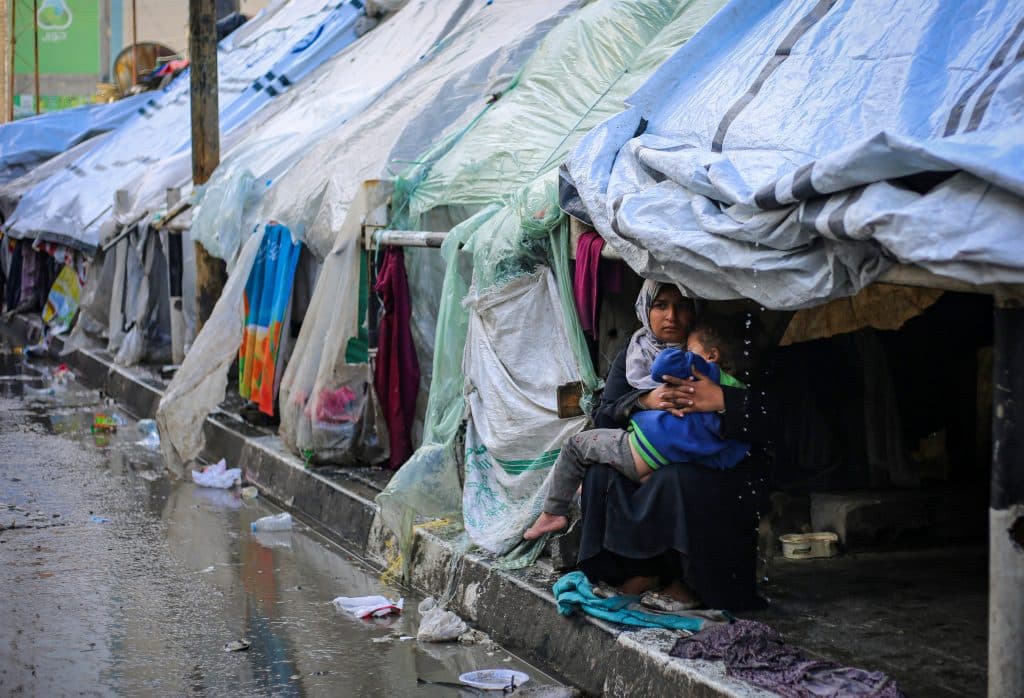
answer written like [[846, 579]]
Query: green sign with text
[[69, 37]]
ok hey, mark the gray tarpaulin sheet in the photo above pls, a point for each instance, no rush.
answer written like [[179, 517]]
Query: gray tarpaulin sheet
[[791, 152]]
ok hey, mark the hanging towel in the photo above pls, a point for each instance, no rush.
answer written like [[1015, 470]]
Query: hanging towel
[[573, 593], [397, 373], [584, 287], [267, 295]]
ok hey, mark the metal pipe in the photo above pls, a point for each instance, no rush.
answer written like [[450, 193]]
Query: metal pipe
[[35, 36], [1006, 508], [408, 238]]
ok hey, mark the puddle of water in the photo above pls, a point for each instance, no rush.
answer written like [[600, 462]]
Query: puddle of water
[[133, 583]]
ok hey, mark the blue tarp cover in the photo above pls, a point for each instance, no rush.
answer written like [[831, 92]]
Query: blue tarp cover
[[791, 152]]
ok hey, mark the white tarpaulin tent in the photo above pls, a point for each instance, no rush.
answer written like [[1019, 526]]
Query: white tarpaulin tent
[[152, 151], [514, 328], [791, 152], [314, 113], [482, 48]]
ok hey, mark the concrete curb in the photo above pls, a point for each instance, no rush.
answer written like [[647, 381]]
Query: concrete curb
[[516, 608]]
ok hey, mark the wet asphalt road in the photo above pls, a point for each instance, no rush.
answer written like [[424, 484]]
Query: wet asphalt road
[[119, 581]]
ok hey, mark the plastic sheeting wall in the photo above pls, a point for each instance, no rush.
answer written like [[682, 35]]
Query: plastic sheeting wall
[[791, 152], [152, 151]]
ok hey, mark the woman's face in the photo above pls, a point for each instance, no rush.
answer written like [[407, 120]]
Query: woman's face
[[671, 315]]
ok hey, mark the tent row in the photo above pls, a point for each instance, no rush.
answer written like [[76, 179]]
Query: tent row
[[788, 154]]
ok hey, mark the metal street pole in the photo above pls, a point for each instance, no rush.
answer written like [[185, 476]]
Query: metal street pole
[[1006, 508]]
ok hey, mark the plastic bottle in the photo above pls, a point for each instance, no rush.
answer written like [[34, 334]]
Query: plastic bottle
[[278, 522]]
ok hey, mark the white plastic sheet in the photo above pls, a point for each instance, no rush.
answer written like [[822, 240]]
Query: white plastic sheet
[[517, 354], [792, 152], [199, 385], [217, 476], [448, 87], [313, 114]]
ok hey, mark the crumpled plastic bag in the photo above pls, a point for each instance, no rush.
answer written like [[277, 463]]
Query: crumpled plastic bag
[[437, 624], [217, 475], [365, 606]]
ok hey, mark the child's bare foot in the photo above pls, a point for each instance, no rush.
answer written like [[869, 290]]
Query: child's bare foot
[[545, 523]]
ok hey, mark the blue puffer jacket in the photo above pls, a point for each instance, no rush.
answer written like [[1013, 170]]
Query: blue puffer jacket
[[661, 438]]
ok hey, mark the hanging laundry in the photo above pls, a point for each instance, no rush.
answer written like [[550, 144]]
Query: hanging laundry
[[33, 278], [584, 287], [267, 296], [12, 286], [397, 373], [756, 653]]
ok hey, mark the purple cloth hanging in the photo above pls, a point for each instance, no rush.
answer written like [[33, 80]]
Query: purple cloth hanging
[[585, 280], [396, 376]]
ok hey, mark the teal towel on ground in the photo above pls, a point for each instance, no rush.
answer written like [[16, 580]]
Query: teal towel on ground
[[573, 592]]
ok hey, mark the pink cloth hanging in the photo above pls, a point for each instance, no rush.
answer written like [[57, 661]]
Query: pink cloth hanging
[[585, 281]]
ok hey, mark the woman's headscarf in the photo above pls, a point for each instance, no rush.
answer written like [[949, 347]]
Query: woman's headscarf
[[643, 345]]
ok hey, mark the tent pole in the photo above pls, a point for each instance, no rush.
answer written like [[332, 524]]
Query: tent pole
[[135, 46], [1006, 508], [210, 272]]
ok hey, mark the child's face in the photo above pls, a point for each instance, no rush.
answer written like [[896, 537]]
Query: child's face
[[695, 344]]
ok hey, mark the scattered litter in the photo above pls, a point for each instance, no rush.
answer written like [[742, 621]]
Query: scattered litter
[[807, 546], [506, 680], [405, 638], [151, 437], [104, 423], [237, 646], [218, 476], [38, 349], [437, 624], [250, 492], [273, 539], [99, 519], [382, 640], [150, 475], [211, 568], [368, 606], [63, 374], [277, 522], [478, 637]]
